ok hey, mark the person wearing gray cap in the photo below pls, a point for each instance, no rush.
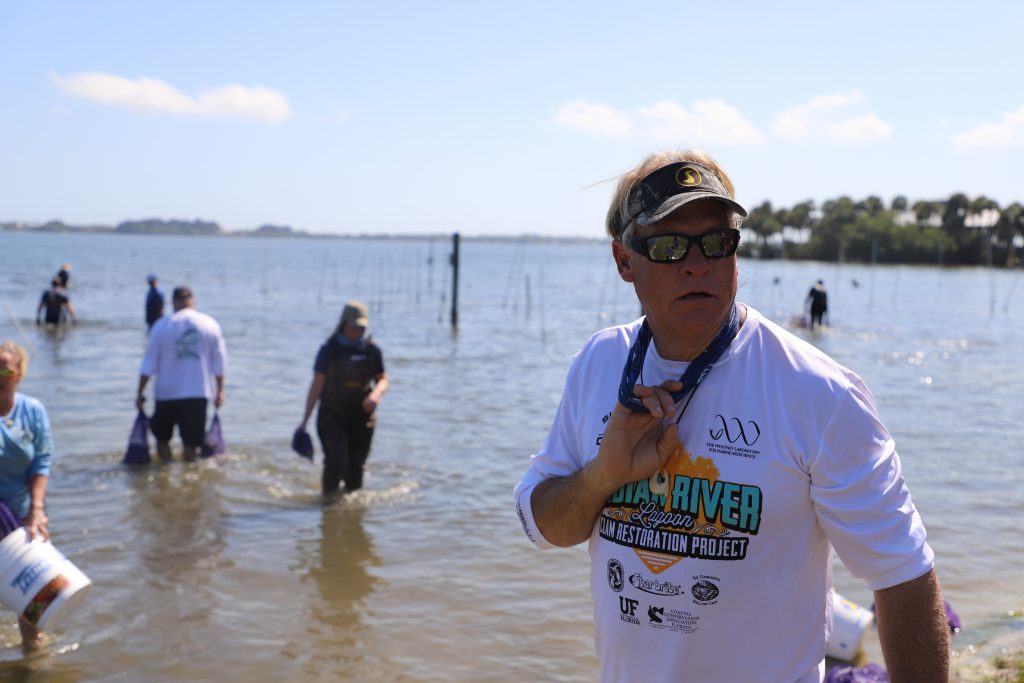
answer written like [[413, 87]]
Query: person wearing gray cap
[[348, 382], [713, 461]]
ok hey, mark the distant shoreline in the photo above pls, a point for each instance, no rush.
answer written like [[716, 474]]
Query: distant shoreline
[[276, 232], [884, 248]]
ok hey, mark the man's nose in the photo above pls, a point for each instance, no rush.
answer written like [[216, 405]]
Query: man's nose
[[695, 261]]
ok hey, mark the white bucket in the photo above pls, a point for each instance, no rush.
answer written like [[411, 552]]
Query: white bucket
[[37, 581], [850, 622]]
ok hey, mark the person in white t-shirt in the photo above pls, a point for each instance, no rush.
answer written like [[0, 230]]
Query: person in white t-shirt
[[713, 461], [186, 352]]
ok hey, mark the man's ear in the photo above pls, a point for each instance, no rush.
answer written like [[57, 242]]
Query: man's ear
[[622, 261]]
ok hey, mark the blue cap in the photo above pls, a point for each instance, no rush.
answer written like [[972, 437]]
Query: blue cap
[[151, 277]]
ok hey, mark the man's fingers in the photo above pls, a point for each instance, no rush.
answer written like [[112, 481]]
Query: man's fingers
[[667, 442], [657, 400]]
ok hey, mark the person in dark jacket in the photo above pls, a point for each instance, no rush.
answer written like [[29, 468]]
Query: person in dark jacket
[[818, 300], [348, 382], [154, 301], [57, 305]]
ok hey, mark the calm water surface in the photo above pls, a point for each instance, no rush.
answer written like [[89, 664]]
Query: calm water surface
[[238, 571]]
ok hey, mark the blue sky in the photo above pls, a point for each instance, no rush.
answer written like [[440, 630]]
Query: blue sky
[[492, 118]]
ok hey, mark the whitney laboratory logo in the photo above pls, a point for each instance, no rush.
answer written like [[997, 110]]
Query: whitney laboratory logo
[[734, 437], [734, 430]]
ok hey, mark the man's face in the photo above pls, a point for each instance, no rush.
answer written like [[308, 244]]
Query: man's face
[[354, 332], [691, 297], [9, 373]]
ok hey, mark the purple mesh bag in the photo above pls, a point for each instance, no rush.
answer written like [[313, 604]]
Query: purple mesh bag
[[138, 442], [952, 618], [213, 442], [872, 673], [8, 520]]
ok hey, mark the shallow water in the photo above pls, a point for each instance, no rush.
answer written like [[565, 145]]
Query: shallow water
[[238, 571]]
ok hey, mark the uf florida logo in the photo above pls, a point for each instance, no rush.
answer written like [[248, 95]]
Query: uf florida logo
[[737, 431]]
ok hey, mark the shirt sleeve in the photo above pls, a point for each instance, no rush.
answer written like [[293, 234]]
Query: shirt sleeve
[[321, 362], [42, 444], [218, 353], [559, 456], [378, 359], [151, 359], [861, 499]]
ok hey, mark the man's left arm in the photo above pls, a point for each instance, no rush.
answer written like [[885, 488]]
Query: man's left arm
[[913, 630], [218, 364]]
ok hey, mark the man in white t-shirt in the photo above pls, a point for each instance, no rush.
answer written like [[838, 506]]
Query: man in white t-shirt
[[713, 461], [186, 353]]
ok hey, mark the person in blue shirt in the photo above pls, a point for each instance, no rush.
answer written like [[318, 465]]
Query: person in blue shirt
[[154, 301], [26, 449]]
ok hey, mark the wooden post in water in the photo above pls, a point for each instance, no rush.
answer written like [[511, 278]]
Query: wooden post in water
[[455, 280]]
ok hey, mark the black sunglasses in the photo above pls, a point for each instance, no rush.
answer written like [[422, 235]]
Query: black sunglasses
[[668, 248]]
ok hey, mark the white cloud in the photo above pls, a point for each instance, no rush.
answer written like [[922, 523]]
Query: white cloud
[[592, 117], [1009, 132], [827, 118], [249, 103], [708, 121]]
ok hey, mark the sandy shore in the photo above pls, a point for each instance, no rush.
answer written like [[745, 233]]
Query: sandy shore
[[996, 661]]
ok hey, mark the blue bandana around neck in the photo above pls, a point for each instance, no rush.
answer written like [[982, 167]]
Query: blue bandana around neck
[[694, 373], [348, 343]]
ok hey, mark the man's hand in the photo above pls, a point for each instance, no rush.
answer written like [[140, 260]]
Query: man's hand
[[635, 445], [139, 401], [36, 523], [218, 400]]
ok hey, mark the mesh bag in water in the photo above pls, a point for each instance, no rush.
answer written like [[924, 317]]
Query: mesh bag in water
[[213, 442], [302, 444], [8, 520], [138, 442], [872, 673]]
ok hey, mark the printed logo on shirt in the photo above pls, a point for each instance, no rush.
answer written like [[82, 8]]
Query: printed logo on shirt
[[671, 619], [522, 520], [615, 574], [683, 510], [654, 586], [627, 609], [705, 590], [734, 437], [604, 420], [187, 345]]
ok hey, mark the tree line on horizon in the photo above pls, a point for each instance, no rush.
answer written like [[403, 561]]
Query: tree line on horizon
[[956, 231]]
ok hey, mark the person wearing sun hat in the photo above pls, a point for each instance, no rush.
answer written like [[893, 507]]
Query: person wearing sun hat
[[713, 461], [348, 383], [64, 275]]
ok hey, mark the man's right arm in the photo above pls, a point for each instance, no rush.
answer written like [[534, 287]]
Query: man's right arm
[[634, 446], [140, 396], [566, 508]]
